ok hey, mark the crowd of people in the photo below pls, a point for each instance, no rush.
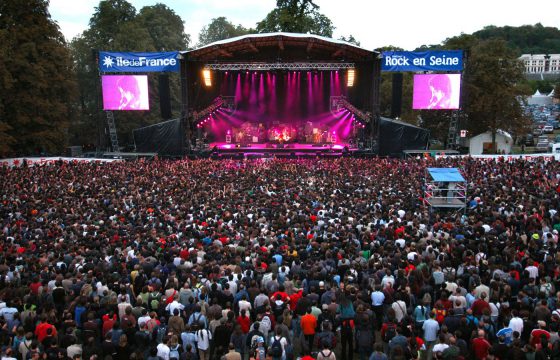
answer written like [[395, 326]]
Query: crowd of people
[[278, 259]]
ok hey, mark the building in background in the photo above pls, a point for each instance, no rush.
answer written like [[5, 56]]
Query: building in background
[[482, 143], [541, 66]]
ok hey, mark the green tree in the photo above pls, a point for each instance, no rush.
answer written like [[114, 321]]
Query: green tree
[[37, 84], [107, 20], [350, 39], [219, 29], [526, 39], [6, 83], [492, 81], [166, 28], [386, 86], [296, 16], [116, 26]]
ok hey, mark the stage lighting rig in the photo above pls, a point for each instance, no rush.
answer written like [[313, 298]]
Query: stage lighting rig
[[350, 77], [301, 66], [340, 102], [207, 76], [216, 104]]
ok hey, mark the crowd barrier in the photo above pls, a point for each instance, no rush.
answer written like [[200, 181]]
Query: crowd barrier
[[32, 161]]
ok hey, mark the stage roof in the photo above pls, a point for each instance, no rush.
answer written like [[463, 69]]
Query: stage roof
[[446, 174], [280, 47]]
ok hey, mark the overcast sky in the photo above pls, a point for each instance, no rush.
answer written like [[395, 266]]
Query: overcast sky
[[405, 23]]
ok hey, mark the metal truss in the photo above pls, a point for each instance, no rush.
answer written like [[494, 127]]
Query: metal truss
[[216, 104], [280, 66], [340, 102]]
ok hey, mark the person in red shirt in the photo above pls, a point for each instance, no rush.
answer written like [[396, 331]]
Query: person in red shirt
[[294, 298], [282, 292], [479, 305], [244, 321], [41, 329], [480, 346], [308, 327], [536, 334], [108, 321], [35, 286]]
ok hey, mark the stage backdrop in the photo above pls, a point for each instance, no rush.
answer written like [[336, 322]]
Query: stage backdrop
[[163, 138], [396, 136]]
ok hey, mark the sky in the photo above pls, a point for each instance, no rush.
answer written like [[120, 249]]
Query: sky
[[406, 23]]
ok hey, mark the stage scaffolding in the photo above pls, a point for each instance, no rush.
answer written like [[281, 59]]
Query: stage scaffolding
[[256, 66]]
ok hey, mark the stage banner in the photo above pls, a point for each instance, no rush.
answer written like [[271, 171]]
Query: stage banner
[[448, 60], [138, 62]]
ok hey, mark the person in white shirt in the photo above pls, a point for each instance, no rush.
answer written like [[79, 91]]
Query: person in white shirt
[[8, 312], [174, 305], [144, 318], [388, 278], [123, 304], [458, 300], [399, 307], [281, 339], [203, 337], [480, 289], [232, 284], [163, 351], [516, 323], [441, 345], [533, 271], [400, 243], [244, 304], [451, 286]]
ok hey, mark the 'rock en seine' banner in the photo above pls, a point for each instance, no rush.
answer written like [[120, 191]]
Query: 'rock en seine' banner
[[445, 60], [138, 62]]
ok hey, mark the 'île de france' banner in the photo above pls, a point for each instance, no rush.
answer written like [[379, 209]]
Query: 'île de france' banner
[[444, 60], [138, 62]]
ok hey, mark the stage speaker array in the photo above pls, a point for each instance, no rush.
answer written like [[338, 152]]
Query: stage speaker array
[[396, 101], [164, 98]]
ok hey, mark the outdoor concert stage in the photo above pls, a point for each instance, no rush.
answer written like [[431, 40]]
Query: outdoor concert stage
[[282, 150], [246, 95]]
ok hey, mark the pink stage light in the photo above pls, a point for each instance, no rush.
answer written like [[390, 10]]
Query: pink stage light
[[227, 146], [338, 147]]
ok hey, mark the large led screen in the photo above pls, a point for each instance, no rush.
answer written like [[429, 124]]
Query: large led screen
[[436, 92], [125, 92]]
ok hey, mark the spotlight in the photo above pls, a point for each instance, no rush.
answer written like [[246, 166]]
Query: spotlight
[[350, 80], [207, 76]]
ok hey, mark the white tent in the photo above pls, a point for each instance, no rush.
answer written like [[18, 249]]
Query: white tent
[[481, 142], [540, 99]]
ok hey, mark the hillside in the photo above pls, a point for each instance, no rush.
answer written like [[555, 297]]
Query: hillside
[[526, 39]]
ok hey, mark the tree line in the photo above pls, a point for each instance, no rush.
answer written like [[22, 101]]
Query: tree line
[[49, 87]]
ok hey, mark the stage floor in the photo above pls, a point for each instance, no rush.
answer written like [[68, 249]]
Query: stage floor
[[290, 149], [273, 146]]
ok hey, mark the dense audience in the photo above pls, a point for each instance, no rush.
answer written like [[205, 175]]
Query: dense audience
[[278, 259]]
